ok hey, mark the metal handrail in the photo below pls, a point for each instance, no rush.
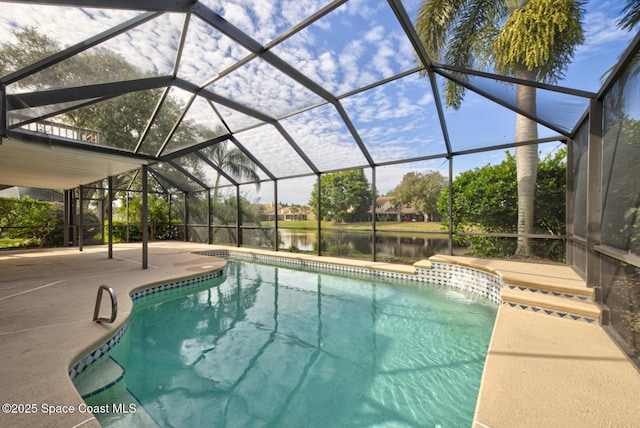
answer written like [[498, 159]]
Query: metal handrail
[[114, 304]]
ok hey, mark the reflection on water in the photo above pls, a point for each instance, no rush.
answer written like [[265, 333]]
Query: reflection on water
[[414, 246], [278, 347]]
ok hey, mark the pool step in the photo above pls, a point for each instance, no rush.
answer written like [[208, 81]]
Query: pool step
[[104, 374], [560, 303], [550, 289], [547, 292]]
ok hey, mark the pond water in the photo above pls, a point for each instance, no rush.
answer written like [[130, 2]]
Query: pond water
[[408, 245]]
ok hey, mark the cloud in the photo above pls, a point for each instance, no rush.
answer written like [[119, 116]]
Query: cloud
[[601, 32], [68, 25], [270, 147], [150, 47], [239, 16], [356, 45], [295, 191], [207, 53], [323, 136], [264, 20], [264, 88], [365, 9]]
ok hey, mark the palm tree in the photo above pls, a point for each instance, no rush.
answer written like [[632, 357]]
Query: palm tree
[[527, 39], [234, 162], [239, 166]]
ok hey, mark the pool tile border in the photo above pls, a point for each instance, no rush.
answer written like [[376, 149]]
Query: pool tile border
[[99, 352], [139, 295], [466, 279], [552, 293], [558, 314]]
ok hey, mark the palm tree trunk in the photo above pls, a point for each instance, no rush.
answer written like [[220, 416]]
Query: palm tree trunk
[[215, 187], [526, 163]]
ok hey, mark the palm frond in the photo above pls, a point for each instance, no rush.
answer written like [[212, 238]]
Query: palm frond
[[468, 41], [435, 19], [631, 15]]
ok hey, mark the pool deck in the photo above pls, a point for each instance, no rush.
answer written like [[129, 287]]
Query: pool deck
[[541, 370]]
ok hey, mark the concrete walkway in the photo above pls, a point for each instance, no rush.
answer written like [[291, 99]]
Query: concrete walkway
[[47, 300], [540, 370]]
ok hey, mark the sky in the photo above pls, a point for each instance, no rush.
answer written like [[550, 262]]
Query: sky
[[357, 44]]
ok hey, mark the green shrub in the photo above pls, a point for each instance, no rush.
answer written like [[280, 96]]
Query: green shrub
[[339, 250], [28, 220], [158, 232], [323, 246]]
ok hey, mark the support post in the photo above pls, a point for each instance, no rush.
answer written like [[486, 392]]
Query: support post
[[569, 203], [238, 216], [275, 197], [110, 216], [67, 216], [3, 112], [209, 216], [127, 215], [80, 219], [145, 217], [169, 198], [594, 194], [185, 216], [319, 251], [103, 210], [450, 205], [373, 213]]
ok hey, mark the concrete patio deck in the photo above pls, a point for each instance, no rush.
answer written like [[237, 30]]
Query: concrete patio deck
[[540, 370]]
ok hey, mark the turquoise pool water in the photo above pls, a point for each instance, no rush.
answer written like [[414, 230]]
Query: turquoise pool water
[[270, 346]]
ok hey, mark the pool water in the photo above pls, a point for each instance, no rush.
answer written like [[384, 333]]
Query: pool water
[[277, 347]]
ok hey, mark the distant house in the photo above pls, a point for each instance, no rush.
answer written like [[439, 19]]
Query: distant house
[[296, 213], [386, 210], [268, 212], [33, 193]]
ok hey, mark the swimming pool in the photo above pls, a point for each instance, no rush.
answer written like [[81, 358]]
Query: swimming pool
[[275, 346]]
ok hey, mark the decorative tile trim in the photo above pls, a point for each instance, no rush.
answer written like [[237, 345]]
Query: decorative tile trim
[[137, 297], [551, 312], [447, 275], [551, 293], [472, 280], [467, 279], [146, 292], [300, 263], [100, 351]]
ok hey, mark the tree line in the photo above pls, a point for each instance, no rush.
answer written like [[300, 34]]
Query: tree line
[[484, 199]]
